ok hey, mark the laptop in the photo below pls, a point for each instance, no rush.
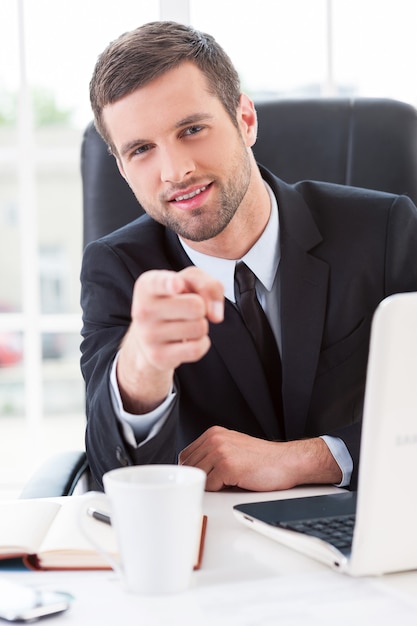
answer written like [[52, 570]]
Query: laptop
[[381, 517]]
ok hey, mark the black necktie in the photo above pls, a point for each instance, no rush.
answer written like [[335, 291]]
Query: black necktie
[[260, 330]]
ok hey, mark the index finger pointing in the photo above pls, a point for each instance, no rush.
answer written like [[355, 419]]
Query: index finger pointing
[[210, 289], [160, 283]]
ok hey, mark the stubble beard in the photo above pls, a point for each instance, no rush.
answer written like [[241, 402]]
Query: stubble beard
[[204, 223]]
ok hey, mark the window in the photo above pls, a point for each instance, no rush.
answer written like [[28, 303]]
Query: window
[[301, 48], [51, 48], [279, 47]]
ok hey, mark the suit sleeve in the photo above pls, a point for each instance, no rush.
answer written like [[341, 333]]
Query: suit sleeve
[[400, 275], [106, 292]]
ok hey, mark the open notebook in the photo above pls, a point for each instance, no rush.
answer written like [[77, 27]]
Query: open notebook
[[382, 515]]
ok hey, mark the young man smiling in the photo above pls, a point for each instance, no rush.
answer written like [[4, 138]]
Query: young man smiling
[[172, 372]]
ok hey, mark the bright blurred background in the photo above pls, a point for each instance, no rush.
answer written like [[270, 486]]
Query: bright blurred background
[[282, 48]]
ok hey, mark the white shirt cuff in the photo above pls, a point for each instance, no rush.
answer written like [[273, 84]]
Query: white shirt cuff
[[342, 457], [138, 429]]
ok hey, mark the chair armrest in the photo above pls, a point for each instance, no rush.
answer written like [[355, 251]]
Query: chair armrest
[[57, 477]]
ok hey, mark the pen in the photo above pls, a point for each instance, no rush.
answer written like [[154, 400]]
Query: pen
[[99, 515]]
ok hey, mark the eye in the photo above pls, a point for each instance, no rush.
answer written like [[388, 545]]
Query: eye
[[142, 149], [193, 130]]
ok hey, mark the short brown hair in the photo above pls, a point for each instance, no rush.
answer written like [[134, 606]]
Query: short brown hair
[[140, 55]]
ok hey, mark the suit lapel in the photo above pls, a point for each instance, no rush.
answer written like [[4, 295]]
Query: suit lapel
[[304, 282]]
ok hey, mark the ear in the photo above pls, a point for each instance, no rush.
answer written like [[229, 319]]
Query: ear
[[247, 120]]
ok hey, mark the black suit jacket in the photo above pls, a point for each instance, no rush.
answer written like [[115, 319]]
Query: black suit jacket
[[342, 251]]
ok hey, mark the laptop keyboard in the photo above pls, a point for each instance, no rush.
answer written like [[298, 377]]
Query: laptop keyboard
[[337, 531]]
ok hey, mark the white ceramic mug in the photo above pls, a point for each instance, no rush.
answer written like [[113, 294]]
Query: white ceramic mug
[[156, 511]]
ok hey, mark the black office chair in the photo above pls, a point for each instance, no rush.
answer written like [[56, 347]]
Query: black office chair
[[364, 142]]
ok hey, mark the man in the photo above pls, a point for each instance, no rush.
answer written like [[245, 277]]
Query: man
[[172, 371]]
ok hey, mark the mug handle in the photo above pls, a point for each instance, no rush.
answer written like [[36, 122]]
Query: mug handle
[[92, 507]]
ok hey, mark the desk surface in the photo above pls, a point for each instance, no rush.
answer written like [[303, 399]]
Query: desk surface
[[245, 580]]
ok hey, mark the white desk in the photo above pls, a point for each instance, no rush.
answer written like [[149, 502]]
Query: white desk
[[245, 580]]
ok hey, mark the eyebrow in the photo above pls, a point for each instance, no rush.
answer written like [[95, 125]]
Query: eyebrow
[[186, 121], [193, 119]]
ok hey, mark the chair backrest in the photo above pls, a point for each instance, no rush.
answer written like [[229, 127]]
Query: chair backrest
[[364, 142]]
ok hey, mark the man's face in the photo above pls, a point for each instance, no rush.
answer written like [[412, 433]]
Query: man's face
[[185, 160]]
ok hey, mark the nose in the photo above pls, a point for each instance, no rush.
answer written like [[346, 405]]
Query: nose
[[176, 164]]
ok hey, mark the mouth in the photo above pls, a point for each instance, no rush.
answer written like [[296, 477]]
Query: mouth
[[192, 199], [192, 194]]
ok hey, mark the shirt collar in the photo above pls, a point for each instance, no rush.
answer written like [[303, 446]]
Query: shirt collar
[[263, 258]]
